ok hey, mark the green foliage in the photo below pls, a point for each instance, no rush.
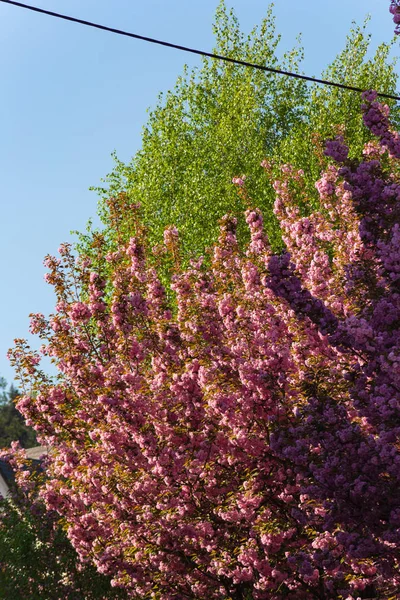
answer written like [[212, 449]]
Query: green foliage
[[221, 120], [12, 424]]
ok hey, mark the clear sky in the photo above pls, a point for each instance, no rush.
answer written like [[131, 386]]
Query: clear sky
[[71, 95]]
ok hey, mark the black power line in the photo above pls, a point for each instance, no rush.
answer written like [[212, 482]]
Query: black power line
[[192, 50]]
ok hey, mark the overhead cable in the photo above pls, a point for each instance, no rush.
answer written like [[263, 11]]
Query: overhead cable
[[235, 61]]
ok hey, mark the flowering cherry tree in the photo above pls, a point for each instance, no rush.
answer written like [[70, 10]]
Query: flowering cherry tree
[[236, 435]]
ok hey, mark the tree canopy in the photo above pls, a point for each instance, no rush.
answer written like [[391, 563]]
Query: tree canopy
[[221, 120], [229, 431]]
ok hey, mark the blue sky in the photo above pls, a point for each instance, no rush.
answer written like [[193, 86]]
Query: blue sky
[[72, 95]]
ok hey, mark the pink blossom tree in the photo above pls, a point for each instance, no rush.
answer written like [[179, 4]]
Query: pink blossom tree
[[237, 435]]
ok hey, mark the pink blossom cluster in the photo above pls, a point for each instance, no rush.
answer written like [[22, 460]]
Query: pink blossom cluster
[[376, 118], [242, 440], [395, 10], [37, 559], [239, 180]]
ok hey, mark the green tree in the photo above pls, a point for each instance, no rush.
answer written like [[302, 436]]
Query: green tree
[[221, 120], [12, 424]]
